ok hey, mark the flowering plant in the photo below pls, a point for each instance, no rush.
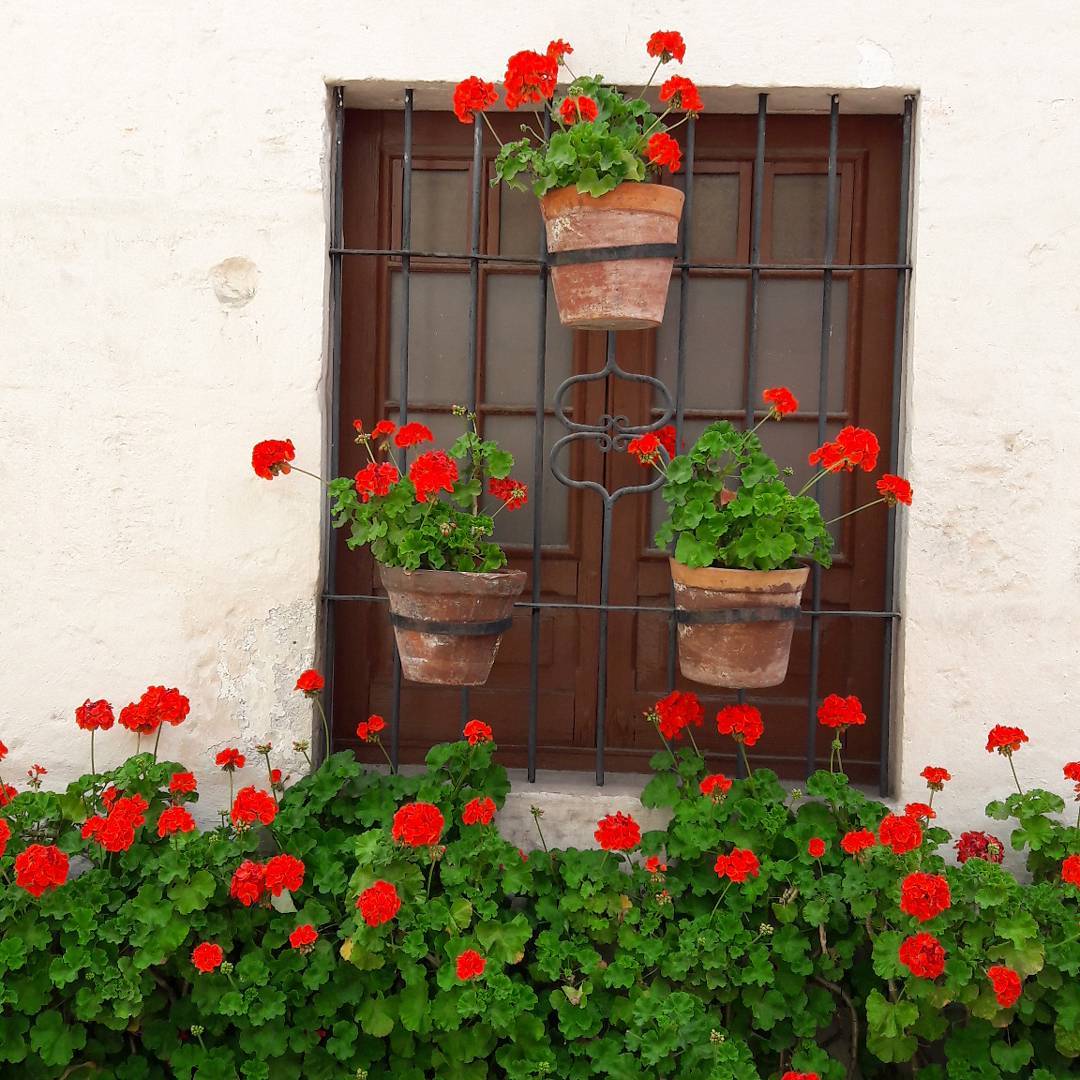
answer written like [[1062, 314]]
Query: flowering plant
[[759, 523], [599, 136]]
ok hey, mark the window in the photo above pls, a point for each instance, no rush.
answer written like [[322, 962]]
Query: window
[[549, 699]]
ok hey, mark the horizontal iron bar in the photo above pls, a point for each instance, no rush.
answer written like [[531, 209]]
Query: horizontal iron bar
[[612, 253], [736, 615], [451, 627]]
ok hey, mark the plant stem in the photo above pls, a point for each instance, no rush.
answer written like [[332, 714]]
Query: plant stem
[[492, 130], [814, 479], [93, 767], [157, 739], [1015, 777], [865, 506], [536, 820], [719, 899], [326, 726], [314, 476], [270, 777], [746, 761], [389, 761], [431, 875], [653, 75]]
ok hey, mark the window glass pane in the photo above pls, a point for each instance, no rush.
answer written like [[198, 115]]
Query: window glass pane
[[519, 222], [510, 358], [789, 339], [438, 337], [714, 232], [515, 434], [799, 203], [440, 210]]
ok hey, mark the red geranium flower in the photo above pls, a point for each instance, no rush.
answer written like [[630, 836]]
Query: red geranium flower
[[666, 435], [5, 836], [116, 832], [412, 434], [894, 489], [979, 845], [275, 777], [557, 49], [94, 715], [432, 472], [418, 824], [473, 95], [742, 722], [174, 819], [1007, 985], [716, 786], [902, 834], [513, 493], [1072, 771], [368, 730], [383, 428], [646, 448], [284, 872], [379, 903], [923, 956], [924, 896], [664, 150], [1070, 870], [666, 45], [816, 847], [230, 759], [182, 783], [853, 447], [248, 883], [252, 805], [839, 712], [935, 777], [920, 810], [207, 957], [676, 712], [654, 866], [738, 865], [3, 751], [682, 94], [139, 720], [478, 812], [1005, 740], [476, 731], [617, 832], [40, 868], [782, 400], [574, 109], [860, 840], [7, 793], [310, 682], [303, 937], [470, 965], [530, 78], [272, 457], [800, 1076], [376, 478]]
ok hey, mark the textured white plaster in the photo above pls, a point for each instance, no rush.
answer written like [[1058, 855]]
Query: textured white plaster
[[146, 143]]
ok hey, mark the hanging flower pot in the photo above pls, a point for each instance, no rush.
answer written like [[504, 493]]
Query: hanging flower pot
[[448, 625], [611, 237], [611, 256]]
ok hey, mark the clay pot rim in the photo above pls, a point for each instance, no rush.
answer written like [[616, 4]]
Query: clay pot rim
[[628, 195], [723, 578], [502, 582]]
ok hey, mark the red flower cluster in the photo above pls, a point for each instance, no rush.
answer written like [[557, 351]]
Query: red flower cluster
[[742, 722], [920, 811], [412, 434], [979, 845], [530, 78], [1005, 740], [271, 457], [470, 965], [924, 896], [574, 109], [7, 793], [617, 832], [252, 805], [513, 493], [716, 786], [923, 956], [646, 448], [304, 937], [157, 706], [283, 872], [433, 472], [230, 759], [666, 45], [116, 831], [368, 730], [854, 446], [40, 868], [894, 489], [207, 957], [738, 865], [248, 882], [800, 1076], [1070, 870], [3, 751], [682, 94], [476, 731], [664, 150], [377, 478], [902, 834], [383, 429], [860, 840], [94, 715], [1007, 985], [478, 812], [666, 435], [654, 866], [473, 95], [840, 712], [5, 836], [816, 847], [174, 819], [182, 783], [418, 824], [379, 903], [557, 49], [1072, 771], [676, 712], [310, 682], [782, 401], [936, 778]]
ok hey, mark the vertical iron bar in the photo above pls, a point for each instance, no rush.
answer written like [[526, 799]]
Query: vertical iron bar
[[902, 256], [756, 215], [403, 373], [333, 449], [823, 406], [605, 577], [540, 399], [680, 360]]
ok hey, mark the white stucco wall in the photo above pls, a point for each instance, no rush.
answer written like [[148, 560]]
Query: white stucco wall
[[145, 143]]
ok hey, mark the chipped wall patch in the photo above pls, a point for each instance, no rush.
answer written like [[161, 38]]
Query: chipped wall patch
[[235, 281]]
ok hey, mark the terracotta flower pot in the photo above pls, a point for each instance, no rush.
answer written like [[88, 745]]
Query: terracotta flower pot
[[448, 625], [735, 626], [611, 256]]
